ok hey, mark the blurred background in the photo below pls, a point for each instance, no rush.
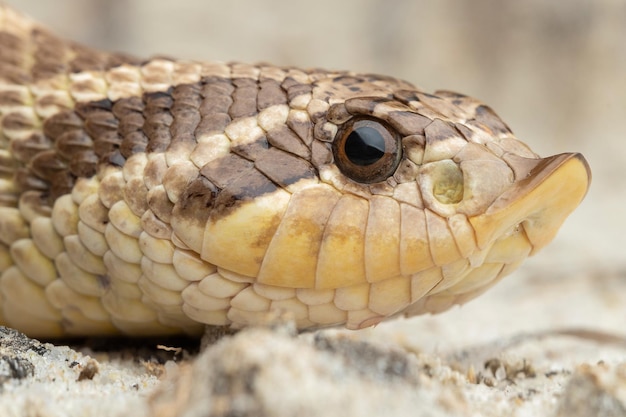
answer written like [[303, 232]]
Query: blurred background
[[554, 71]]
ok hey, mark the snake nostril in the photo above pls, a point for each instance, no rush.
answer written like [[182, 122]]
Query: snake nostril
[[448, 183]]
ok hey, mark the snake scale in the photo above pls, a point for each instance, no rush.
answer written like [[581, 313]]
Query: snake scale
[[155, 196]]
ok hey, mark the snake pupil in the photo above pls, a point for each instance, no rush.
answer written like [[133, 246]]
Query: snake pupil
[[364, 146]]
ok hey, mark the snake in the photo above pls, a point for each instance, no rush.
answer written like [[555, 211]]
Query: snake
[[158, 196]]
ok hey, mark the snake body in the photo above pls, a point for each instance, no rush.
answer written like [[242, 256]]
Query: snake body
[[157, 196]]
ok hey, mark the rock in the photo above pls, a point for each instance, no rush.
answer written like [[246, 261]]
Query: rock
[[595, 390], [260, 372]]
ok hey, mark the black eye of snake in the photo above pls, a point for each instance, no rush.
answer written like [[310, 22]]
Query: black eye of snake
[[366, 150]]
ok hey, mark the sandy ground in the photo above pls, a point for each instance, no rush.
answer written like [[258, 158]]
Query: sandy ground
[[534, 346], [549, 340]]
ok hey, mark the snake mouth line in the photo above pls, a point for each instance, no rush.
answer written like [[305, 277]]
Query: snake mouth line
[[540, 202]]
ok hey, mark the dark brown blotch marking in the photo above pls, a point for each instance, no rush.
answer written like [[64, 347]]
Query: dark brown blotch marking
[[252, 150], [47, 164], [270, 94], [297, 89], [406, 96], [61, 123], [440, 130], [83, 164], [133, 143], [407, 123], [465, 131], [17, 121], [213, 123], [99, 124], [321, 153], [194, 205], [107, 144], [26, 180], [290, 82], [321, 133], [364, 105], [12, 49], [452, 95], [216, 95], [187, 99], [244, 98], [245, 188], [198, 197], [160, 204], [302, 128], [338, 113], [486, 119], [129, 111], [49, 55], [102, 126], [226, 170], [284, 138], [347, 80], [87, 59], [12, 98], [14, 74], [115, 158], [158, 120], [284, 168], [84, 109], [73, 142]]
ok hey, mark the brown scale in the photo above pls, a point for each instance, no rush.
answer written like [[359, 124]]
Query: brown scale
[[129, 111], [83, 160], [13, 53], [54, 56], [16, 121], [13, 98], [486, 119], [284, 138], [224, 171], [270, 94], [102, 126], [252, 151], [304, 130], [216, 93], [46, 168], [187, 99], [244, 98], [284, 168], [158, 119], [49, 56], [295, 89]]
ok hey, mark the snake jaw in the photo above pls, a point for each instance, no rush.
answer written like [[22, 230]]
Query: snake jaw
[[540, 202]]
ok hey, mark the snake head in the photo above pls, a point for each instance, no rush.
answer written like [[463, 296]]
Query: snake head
[[399, 201]]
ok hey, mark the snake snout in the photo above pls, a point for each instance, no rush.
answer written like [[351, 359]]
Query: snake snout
[[546, 192]]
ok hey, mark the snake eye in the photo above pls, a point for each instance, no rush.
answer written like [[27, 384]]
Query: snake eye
[[366, 150]]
